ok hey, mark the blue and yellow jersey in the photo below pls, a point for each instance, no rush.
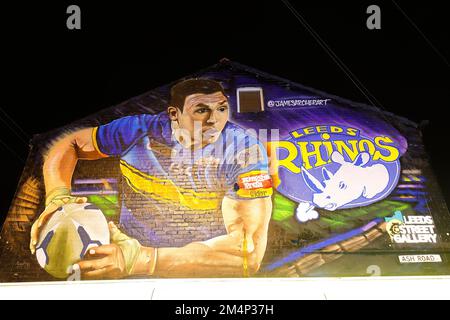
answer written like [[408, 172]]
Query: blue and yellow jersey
[[171, 195]]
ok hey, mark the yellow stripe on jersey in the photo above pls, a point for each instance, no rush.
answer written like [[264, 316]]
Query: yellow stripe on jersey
[[165, 190], [95, 144]]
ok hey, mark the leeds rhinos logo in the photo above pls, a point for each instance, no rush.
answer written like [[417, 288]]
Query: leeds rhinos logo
[[334, 167]]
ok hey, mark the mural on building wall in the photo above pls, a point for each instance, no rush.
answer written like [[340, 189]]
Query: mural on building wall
[[230, 172]]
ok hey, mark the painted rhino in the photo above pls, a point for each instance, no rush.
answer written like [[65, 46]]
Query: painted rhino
[[351, 181]]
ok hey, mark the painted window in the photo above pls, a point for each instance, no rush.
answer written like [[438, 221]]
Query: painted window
[[250, 99]]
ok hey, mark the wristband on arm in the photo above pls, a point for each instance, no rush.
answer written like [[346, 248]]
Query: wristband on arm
[[61, 196], [57, 194], [139, 260]]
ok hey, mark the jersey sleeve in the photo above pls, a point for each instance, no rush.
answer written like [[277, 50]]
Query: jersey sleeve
[[248, 177], [116, 137]]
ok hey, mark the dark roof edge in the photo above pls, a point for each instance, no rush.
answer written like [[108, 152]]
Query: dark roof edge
[[226, 61]]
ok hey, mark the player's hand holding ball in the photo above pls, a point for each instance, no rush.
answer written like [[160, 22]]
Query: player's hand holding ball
[[113, 261], [72, 236], [55, 200]]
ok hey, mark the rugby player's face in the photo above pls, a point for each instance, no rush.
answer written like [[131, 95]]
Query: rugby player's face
[[204, 114]]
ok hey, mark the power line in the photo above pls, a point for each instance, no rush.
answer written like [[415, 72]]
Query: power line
[[372, 99], [422, 34], [19, 132], [11, 151]]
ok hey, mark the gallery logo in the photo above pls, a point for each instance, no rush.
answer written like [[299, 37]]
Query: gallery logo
[[411, 229]]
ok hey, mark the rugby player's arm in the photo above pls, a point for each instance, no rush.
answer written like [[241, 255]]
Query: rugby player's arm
[[224, 255], [62, 157], [58, 168]]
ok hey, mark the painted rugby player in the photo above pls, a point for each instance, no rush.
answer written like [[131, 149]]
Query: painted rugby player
[[193, 203]]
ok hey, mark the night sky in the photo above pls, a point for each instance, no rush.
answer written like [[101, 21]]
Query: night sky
[[52, 76]]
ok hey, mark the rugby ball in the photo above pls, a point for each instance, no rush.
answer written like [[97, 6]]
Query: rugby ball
[[69, 234]]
